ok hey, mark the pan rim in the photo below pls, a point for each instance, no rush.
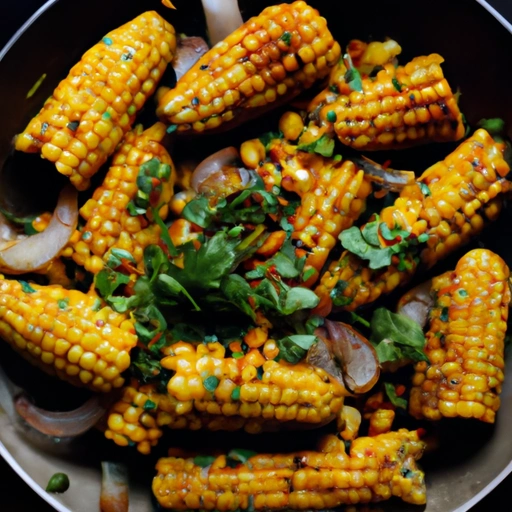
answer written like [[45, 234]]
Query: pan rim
[[13, 463]]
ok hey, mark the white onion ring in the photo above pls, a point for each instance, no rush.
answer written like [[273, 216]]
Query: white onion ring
[[188, 52], [35, 252], [222, 18], [114, 487], [417, 303], [213, 165]]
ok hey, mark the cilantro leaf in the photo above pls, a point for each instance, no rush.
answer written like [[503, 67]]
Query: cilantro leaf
[[204, 461], [294, 348], [323, 146], [199, 212], [26, 287], [107, 281], [352, 76], [117, 255], [393, 397], [267, 138], [396, 84], [241, 455], [237, 290], [285, 261], [396, 337], [299, 298]]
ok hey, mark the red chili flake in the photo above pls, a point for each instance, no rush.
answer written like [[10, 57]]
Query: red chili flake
[[100, 323], [155, 339], [386, 164]]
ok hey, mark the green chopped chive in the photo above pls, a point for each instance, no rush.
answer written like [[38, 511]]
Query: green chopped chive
[[397, 84], [107, 41], [35, 87], [86, 235], [331, 116], [63, 303], [106, 115], [211, 383], [444, 315], [337, 158], [149, 405], [235, 394], [310, 272], [172, 128], [424, 189], [238, 355], [423, 238], [26, 287], [286, 38], [463, 293]]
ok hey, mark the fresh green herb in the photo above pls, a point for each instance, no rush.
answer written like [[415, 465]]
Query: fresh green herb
[[204, 461], [241, 455], [107, 41], [73, 126], [26, 287], [352, 76], [424, 189], [107, 281], [310, 272], [423, 238], [106, 115], [286, 38], [338, 299], [331, 116], [149, 405], [293, 348], [337, 158], [58, 483], [396, 337], [267, 138], [116, 257], [323, 146], [393, 234], [164, 233], [145, 368], [393, 397], [36, 86], [359, 319], [30, 229], [463, 293], [444, 317], [397, 85], [211, 383], [235, 394], [63, 303], [495, 126], [238, 355]]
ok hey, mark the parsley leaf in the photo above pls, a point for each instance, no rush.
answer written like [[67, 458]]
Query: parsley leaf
[[396, 337], [293, 348], [267, 138], [393, 397], [323, 146], [204, 461], [352, 76], [396, 84], [107, 281], [241, 455]]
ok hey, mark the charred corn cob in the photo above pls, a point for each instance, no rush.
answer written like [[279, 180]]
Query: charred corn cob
[[376, 468], [67, 333], [400, 107], [91, 110], [109, 222], [209, 390], [450, 204], [465, 341], [266, 62]]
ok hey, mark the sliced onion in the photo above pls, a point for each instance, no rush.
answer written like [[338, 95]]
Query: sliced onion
[[222, 18], [213, 165], [114, 487], [188, 52], [321, 355], [417, 303], [389, 179], [35, 252], [356, 356], [60, 424]]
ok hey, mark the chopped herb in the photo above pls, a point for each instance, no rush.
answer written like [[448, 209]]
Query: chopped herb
[[164, 233], [134, 210], [393, 397], [423, 238], [238, 355], [116, 257], [310, 272], [293, 348], [444, 315], [424, 189], [397, 84], [323, 146], [107, 41], [359, 319], [241, 455], [235, 394], [396, 337], [211, 383], [30, 229], [334, 88], [106, 115], [352, 76], [286, 38], [107, 281], [132, 109], [149, 405], [58, 483], [35, 87], [204, 461], [337, 158], [96, 305], [26, 287], [463, 293], [44, 127], [73, 126], [86, 235], [63, 303], [267, 138], [331, 116], [392, 234], [338, 299], [172, 128]]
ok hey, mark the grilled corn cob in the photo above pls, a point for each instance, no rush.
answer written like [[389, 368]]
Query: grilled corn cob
[[67, 333], [400, 107], [461, 193], [209, 390], [91, 110], [266, 62], [109, 223], [376, 468], [465, 341]]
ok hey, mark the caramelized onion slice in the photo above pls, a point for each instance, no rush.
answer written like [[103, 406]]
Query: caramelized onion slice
[[389, 179], [356, 356], [188, 52], [417, 303], [321, 355], [222, 18], [60, 424], [114, 487], [35, 252]]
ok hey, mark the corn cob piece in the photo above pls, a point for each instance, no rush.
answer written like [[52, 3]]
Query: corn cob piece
[[209, 390], [67, 333], [376, 468], [266, 62], [401, 107], [465, 342], [91, 110], [463, 192], [109, 223]]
